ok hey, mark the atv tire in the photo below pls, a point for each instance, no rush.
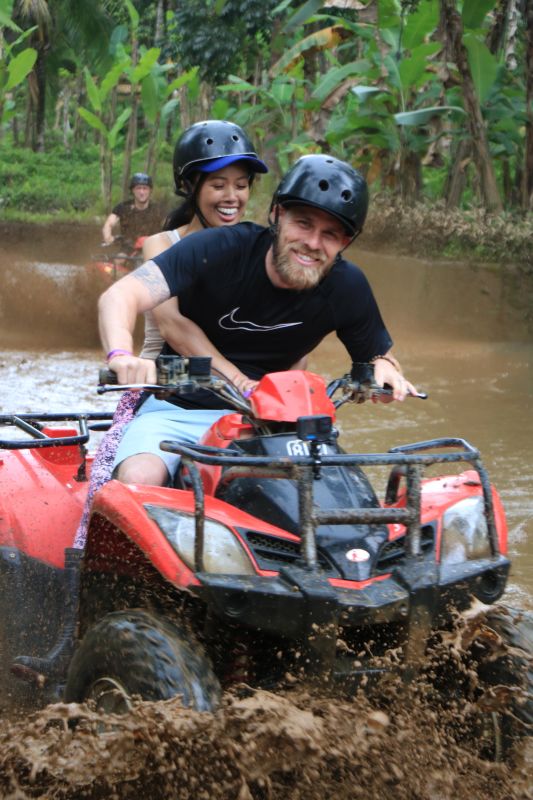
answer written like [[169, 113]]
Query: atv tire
[[135, 653], [502, 656]]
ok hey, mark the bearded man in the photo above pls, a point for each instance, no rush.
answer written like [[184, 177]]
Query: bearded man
[[265, 297]]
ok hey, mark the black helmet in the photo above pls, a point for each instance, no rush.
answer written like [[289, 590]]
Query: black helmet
[[327, 183], [211, 145], [140, 179]]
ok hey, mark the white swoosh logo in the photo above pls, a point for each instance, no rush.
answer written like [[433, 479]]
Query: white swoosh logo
[[229, 323]]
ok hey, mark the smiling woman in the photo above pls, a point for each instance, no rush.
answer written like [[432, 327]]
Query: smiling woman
[[214, 167]]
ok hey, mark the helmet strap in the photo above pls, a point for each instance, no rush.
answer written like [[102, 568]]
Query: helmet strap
[[273, 224], [352, 240], [195, 190]]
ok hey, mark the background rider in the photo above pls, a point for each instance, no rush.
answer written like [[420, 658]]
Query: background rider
[[137, 216]]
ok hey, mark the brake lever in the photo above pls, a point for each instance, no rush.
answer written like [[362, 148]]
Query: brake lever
[[103, 388], [356, 392], [380, 391]]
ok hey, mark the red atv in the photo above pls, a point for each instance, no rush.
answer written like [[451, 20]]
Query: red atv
[[115, 265], [271, 554]]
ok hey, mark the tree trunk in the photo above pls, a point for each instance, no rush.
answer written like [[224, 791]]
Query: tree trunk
[[151, 158], [454, 32], [496, 35], [160, 23], [185, 111], [28, 125], [456, 181], [410, 175], [106, 173], [131, 142], [206, 99], [67, 94], [15, 131], [131, 138], [79, 91], [40, 73], [527, 180]]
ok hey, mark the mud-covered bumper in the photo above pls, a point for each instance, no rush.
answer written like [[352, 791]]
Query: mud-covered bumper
[[291, 602]]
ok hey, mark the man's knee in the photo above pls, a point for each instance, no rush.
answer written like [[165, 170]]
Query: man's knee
[[143, 469]]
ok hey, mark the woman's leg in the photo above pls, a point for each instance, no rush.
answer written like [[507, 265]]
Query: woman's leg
[[102, 467]]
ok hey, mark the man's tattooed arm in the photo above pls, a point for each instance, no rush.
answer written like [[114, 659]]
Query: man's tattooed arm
[[152, 278]]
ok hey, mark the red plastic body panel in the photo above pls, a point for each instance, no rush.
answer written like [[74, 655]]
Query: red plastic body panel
[[40, 501], [442, 492], [285, 396], [221, 434], [122, 506]]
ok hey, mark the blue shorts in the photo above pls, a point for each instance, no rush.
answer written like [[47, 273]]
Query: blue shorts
[[157, 420]]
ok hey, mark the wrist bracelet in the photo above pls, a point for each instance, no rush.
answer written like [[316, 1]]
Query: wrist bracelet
[[118, 352], [394, 363]]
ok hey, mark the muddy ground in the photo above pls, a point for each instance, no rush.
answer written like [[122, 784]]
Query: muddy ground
[[464, 335]]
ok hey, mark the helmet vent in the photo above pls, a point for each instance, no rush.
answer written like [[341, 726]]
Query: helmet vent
[[209, 141], [235, 137], [346, 195], [323, 185]]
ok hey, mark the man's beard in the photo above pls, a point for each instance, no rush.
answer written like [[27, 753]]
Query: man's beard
[[296, 276]]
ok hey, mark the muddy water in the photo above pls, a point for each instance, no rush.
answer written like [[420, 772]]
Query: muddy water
[[463, 334]]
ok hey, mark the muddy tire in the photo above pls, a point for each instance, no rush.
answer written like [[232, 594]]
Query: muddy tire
[[501, 654], [135, 653]]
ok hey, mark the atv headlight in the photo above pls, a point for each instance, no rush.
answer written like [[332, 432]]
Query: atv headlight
[[223, 552], [465, 534]]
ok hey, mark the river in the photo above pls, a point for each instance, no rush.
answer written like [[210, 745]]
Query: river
[[464, 334]]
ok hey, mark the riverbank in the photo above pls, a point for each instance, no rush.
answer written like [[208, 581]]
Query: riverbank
[[433, 231], [45, 189], [426, 231]]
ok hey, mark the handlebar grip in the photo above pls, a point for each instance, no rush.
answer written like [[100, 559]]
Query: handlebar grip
[[107, 376]]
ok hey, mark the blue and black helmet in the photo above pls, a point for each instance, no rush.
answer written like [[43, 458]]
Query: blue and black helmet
[[212, 145]]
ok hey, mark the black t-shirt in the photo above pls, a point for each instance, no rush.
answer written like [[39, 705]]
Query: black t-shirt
[[135, 222], [220, 279]]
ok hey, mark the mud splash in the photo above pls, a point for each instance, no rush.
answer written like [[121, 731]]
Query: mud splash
[[299, 745], [52, 303], [391, 739]]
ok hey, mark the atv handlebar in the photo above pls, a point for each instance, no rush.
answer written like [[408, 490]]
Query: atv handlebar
[[178, 375]]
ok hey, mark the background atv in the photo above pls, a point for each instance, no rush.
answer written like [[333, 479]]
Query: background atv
[[270, 555], [119, 258]]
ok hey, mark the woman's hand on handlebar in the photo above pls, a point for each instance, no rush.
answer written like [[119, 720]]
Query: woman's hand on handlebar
[[244, 384], [132, 369]]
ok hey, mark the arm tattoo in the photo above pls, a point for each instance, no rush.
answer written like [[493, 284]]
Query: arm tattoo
[[151, 276]]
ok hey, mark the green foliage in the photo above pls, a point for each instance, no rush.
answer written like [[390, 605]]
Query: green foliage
[[14, 67], [50, 185], [475, 11], [217, 39], [422, 21], [299, 76], [48, 182], [483, 65], [97, 95]]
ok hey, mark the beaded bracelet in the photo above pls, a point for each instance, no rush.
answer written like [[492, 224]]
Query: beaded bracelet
[[394, 363], [118, 352]]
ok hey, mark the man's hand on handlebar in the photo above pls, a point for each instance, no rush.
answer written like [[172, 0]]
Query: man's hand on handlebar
[[132, 369], [386, 374]]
